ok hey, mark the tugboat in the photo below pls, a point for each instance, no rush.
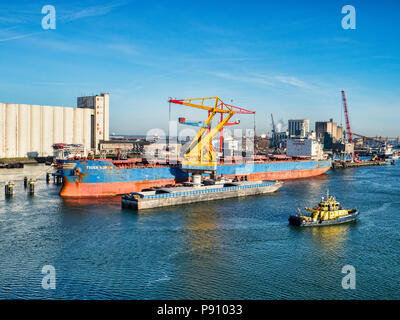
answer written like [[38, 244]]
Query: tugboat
[[328, 212]]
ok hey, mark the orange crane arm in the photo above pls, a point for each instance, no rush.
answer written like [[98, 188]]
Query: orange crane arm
[[218, 105], [188, 102]]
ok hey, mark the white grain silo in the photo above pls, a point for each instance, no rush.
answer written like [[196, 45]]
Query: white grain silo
[[87, 128], [2, 129], [36, 129], [24, 130], [47, 131], [78, 126], [68, 125], [28, 130], [11, 130], [58, 125]]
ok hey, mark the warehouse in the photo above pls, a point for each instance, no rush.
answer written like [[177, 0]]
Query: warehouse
[[27, 130]]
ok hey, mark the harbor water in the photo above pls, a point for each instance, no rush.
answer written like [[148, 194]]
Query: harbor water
[[226, 249]]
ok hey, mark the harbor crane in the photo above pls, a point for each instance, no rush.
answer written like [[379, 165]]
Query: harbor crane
[[200, 156], [349, 135]]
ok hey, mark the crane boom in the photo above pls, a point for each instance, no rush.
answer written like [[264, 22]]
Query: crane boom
[[346, 114]]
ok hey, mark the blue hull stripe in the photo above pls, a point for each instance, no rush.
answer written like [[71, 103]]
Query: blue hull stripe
[[100, 171]]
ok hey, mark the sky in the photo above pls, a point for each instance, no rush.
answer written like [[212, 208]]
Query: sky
[[288, 58]]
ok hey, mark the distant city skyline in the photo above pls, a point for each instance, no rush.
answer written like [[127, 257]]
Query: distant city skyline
[[287, 58]]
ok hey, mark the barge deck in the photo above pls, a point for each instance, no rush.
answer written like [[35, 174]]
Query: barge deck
[[185, 195]]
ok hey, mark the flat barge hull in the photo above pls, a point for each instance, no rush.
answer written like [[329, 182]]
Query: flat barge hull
[[98, 178], [172, 199]]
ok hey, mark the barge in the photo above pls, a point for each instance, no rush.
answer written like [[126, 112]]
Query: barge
[[184, 195]]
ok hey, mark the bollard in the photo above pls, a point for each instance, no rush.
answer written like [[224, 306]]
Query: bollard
[[31, 187], [25, 182], [9, 189], [47, 177], [59, 180]]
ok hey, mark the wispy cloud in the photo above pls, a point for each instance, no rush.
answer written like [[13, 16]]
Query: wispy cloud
[[124, 48], [15, 37], [214, 29], [60, 83], [293, 81], [92, 11], [62, 45], [248, 79], [271, 81], [8, 20]]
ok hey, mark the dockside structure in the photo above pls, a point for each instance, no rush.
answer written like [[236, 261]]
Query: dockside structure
[[31, 130]]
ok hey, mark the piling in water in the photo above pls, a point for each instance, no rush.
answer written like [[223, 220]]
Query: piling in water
[[25, 182], [9, 189], [47, 177], [31, 187], [59, 180]]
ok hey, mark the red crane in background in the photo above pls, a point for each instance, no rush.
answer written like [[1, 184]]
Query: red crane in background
[[349, 136]]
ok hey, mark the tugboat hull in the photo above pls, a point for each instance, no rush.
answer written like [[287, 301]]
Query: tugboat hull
[[295, 220]]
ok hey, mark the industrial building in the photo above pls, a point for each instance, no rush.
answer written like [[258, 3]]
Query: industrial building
[[310, 147], [330, 127], [298, 128], [31, 130]]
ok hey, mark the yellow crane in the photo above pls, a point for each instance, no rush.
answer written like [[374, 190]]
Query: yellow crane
[[200, 156]]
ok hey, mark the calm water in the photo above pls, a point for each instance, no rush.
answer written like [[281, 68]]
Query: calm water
[[230, 249]]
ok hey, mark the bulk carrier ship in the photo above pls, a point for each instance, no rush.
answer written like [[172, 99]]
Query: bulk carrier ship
[[96, 178]]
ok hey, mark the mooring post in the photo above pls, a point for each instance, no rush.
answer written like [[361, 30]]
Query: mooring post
[[25, 182], [31, 187], [47, 177], [9, 189]]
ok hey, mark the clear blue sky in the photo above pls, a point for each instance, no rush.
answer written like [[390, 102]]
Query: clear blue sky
[[289, 58]]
